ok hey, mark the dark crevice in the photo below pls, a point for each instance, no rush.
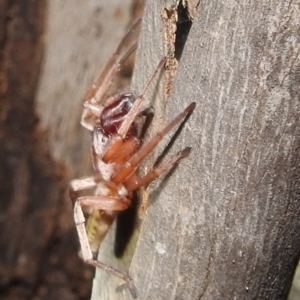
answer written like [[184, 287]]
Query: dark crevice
[[184, 25], [126, 224]]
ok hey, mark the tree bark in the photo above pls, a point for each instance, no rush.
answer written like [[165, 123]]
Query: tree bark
[[225, 224]]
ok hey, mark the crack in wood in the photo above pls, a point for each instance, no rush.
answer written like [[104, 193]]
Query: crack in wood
[[177, 24]]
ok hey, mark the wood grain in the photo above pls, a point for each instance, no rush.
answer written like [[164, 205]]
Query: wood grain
[[225, 224]]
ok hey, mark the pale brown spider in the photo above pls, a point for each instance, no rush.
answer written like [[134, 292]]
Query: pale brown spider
[[116, 155]]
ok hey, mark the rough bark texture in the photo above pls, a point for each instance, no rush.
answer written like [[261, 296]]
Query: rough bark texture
[[226, 223]]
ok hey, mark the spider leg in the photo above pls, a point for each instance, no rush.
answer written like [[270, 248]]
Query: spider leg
[[113, 271], [118, 139], [111, 67], [125, 151], [97, 202], [96, 92], [103, 202], [94, 95], [79, 185], [134, 162], [137, 103], [132, 185], [119, 149]]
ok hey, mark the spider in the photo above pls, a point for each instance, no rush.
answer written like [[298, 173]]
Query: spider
[[116, 155]]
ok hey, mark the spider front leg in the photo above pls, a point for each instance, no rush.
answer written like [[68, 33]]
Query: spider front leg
[[134, 112], [94, 96]]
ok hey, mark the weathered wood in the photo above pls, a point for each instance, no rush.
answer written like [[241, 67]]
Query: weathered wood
[[225, 225]]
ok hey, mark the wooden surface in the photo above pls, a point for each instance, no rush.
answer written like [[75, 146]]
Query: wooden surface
[[225, 222], [225, 225]]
